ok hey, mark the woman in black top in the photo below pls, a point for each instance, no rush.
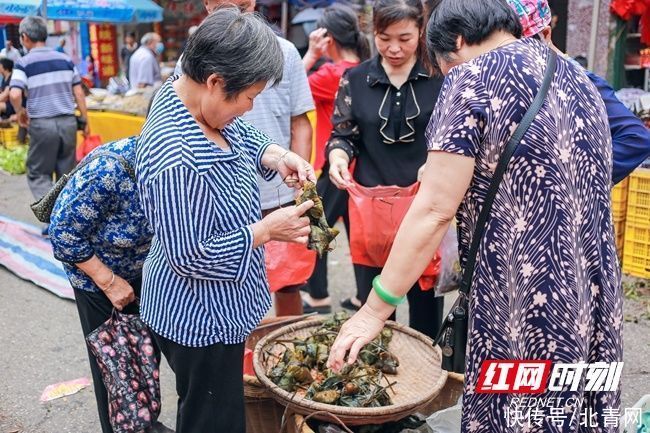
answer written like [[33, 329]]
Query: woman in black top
[[381, 112]]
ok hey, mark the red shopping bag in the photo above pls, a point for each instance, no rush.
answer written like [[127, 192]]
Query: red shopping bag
[[375, 216], [88, 145], [288, 264]]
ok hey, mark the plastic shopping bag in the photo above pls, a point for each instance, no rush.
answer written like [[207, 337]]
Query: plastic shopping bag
[[288, 264], [449, 275], [446, 420], [89, 144], [375, 216]]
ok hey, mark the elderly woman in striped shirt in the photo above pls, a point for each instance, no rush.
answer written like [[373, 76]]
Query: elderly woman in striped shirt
[[204, 285]]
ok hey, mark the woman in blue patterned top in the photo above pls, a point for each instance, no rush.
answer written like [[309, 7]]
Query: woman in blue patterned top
[[205, 285], [100, 234]]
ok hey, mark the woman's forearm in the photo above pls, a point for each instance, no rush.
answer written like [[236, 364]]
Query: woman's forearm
[[97, 271], [261, 233], [444, 184], [309, 60], [416, 243], [271, 158]]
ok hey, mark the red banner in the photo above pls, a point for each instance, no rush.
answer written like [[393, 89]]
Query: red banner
[[103, 45]]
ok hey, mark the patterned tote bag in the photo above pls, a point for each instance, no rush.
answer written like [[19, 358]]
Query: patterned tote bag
[[125, 353]]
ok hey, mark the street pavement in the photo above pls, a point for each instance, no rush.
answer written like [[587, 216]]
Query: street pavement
[[41, 344]]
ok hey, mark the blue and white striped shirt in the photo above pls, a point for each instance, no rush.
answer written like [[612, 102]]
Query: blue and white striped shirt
[[49, 77], [203, 282]]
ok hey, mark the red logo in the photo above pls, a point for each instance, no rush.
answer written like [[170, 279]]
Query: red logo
[[513, 377]]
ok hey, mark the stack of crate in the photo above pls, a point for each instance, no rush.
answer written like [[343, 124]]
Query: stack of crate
[[619, 211], [9, 136], [636, 253]]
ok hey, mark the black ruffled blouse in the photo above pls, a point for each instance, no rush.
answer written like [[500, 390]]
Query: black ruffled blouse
[[381, 126]]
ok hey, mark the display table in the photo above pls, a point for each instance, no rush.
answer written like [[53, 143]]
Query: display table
[[113, 126]]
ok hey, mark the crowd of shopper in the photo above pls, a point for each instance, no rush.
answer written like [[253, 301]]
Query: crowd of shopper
[[187, 216]]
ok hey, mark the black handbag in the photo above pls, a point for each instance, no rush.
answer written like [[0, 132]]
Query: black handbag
[[452, 337], [42, 208]]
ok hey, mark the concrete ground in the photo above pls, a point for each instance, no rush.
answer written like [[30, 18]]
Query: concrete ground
[[41, 343]]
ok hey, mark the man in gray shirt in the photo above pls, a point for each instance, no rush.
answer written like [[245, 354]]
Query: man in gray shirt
[[281, 113], [144, 69]]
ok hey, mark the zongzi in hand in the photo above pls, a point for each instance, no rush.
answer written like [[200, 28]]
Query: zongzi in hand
[[321, 234]]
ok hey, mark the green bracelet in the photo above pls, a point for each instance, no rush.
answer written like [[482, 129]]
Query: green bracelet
[[385, 295]]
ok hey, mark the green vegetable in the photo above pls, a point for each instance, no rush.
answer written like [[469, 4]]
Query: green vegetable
[[13, 161]]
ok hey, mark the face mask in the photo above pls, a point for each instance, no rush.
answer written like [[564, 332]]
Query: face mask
[[160, 48]]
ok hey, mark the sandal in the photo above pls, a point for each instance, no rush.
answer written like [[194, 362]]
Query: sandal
[[349, 305], [324, 309]]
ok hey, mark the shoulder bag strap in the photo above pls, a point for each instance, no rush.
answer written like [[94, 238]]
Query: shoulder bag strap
[[468, 272], [124, 163]]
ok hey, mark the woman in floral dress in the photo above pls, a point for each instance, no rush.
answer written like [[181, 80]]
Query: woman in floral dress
[[547, 280]]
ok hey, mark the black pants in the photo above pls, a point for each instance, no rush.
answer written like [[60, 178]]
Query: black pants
[[335, 203], [95, 309], [209, 386], [425, 309]]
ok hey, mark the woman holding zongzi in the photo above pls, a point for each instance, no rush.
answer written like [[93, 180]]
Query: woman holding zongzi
[[380, 116], [204, 283]]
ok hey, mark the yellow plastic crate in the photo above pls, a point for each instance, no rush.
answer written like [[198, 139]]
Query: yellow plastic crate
[[636, 252], [619, 232], [8, 136], [638, 198], [636, 249], [619, 200]]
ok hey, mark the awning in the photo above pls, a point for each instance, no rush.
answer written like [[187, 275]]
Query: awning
[[19, 8], [104, 11], [97, 11], [147, 11], [6, 19]]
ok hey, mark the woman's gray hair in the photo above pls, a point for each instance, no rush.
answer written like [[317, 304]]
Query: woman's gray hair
[[35, 28], [238, 47]]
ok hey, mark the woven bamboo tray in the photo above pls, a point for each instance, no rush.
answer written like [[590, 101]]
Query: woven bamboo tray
[[448, 397], [263, 413], [419, 379]]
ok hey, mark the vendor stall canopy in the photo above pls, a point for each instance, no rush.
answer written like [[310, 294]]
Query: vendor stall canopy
[[96, 11]]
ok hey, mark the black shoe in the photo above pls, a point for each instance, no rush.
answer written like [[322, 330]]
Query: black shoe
[[306, 308], [348, 305]]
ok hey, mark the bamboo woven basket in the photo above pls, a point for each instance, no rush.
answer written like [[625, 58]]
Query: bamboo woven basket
[[448, 397], [419, 379], [263, 413]]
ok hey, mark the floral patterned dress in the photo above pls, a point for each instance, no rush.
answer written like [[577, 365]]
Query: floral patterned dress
[[547, 281]]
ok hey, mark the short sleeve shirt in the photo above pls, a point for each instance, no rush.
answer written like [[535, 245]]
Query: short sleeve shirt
[[48, 76], [272, 112], [144, 68]]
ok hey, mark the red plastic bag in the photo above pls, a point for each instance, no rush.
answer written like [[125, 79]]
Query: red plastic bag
[[288, 264], [248, 362], [375, 216], [89, 144]]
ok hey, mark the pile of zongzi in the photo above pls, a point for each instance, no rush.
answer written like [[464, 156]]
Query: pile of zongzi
[[302, 368]]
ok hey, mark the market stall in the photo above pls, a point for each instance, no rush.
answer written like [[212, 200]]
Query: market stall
[[113, 117]]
